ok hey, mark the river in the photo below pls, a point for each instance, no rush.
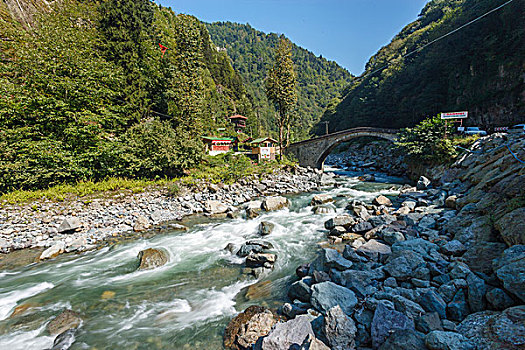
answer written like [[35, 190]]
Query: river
[[185, 304]]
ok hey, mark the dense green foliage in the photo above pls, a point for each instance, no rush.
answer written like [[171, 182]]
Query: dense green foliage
[[318, 81], [281, 87], [82, 85], [425, 142], [478, 69]]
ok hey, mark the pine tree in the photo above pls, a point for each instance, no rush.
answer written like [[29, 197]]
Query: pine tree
[[280, 86]]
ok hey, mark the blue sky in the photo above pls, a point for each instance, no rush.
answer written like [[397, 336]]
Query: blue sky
[[346, 31]]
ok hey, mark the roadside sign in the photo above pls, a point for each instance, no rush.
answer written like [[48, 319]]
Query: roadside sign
[[454, 115]]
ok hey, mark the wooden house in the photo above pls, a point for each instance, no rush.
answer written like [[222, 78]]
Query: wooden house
[[217, 145], [239, 122], [264, 148]]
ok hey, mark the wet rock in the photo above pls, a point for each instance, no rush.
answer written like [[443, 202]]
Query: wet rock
[[77, 245], [64, 340], [382, 200], [441, 340], [53, 251], [152, 258], [319, 199], [252, 213], [345, 221], [349, 253], [423, 183], [230, 247], [68, 319], [450, 202], [326, 295], [260, 259], [367, 178], [69, 225], [362, 227], [403, 340], [385, 322], [302, 271], [274, 203], [247, 249], [433, 302], [323, 209], [339, 329], [312, 343], [288, 334], [510, 270], [259, 290], [300, 290], [429, 322], [512, 227], [254, 322], [337, 231], [265, 228]]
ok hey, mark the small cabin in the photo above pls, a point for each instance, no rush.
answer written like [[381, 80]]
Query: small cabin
[[217, 145], [264, 148], [239, 122]]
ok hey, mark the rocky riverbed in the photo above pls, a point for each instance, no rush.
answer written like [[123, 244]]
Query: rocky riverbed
[[82, 224], [439, 267]]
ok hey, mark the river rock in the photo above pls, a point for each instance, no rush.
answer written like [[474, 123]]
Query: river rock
[[512, 227], [300, 290], [260, 259], [248, 326], [141, 224], [333, 259], [53, 251], [215, 207], [323, 198], [382, 200], [68, 319], [454, 248], [274, 203], [441, 340], [64, 340], [339, 329], [423, 183], [287, 335], [312, 343], [386, 321], [450, 202], [433, 302], [362, 227], [265, 228], [403, 264], [247, 249], [403, 340], [375, 250], [69, 225], [326, 295], [152, 258], [345, 221], [429, 322], [458, 308], [510, 270], [476, 293]]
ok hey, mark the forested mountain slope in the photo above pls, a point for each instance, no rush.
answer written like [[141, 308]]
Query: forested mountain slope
[[85, 91], [479, 68], [319, 80]]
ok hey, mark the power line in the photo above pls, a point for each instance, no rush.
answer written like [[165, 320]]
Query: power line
[[438, 39]]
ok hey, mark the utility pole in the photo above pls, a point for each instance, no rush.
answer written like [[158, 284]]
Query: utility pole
[[326, 126]]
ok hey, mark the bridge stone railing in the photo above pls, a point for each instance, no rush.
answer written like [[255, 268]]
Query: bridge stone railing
[[313, 152]]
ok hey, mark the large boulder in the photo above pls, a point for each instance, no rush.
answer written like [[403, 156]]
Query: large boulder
[[152, 258], [274, 203], [326, 295], [300, 290], [261, 260], [247, 249], [323, 198], [345, 221], [265, 228], [490, 330], [286, 335], [248, 326], [339, 329], [385, 322], [68, 319], [215, 207], [69, 225], [512, 227], [510, 269]]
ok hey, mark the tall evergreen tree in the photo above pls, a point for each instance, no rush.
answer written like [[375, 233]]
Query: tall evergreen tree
[[280, 86]]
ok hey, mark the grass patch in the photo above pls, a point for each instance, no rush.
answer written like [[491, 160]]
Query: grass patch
[[227, 168]]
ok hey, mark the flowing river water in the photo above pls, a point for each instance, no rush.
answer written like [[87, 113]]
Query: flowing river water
[[185, 304]]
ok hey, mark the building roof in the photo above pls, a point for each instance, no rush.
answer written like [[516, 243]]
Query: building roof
[[212, 138], [238, 116], [262, 139]]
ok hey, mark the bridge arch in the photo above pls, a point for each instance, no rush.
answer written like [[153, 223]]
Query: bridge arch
[[313, 152]]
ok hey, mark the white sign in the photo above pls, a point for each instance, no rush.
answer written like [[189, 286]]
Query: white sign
[[454, 115], [265, 152]]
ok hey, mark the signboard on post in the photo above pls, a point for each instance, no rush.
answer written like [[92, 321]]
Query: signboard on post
[[265, 153], [454, 115]]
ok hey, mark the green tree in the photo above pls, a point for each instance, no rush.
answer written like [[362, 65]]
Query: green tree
[[280, 86]]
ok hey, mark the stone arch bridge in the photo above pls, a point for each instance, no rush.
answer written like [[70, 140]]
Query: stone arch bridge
[[313, 152]]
